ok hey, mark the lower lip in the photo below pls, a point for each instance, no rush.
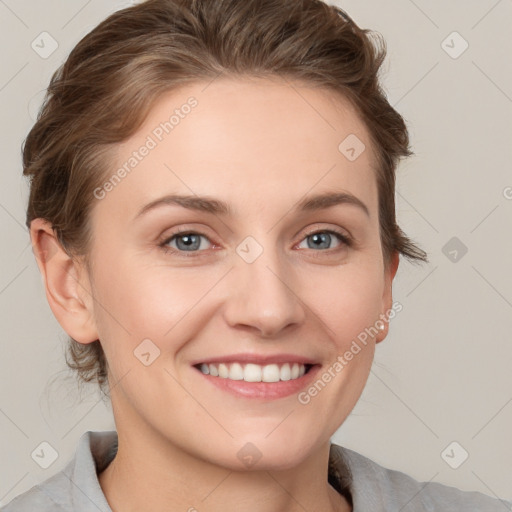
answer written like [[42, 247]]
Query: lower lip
[[263, 390]]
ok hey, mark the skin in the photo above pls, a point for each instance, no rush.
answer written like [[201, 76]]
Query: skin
[[261, 146]]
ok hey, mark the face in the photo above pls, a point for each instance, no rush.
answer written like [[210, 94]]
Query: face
[[249, 277]]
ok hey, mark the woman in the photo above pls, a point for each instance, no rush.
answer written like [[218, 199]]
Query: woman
[[212, 211]]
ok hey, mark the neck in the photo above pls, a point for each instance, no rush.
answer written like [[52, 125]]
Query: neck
[[152, 474]]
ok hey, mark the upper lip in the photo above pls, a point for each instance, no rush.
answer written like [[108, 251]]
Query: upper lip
[[257, 359]]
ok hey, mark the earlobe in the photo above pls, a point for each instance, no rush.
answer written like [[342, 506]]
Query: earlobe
[[65, 280], [387, 297]]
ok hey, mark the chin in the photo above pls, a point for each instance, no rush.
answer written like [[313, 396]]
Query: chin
[[260, 453]]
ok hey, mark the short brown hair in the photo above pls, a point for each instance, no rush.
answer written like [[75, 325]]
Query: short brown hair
[[103, 92]]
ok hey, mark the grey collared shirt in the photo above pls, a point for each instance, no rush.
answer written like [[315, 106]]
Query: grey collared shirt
[[372, 487]]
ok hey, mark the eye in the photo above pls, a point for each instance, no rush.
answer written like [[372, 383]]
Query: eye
[[186, 241], [324, 238]]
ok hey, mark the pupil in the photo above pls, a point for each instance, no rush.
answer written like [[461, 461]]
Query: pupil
[[188, 241], [322, 238]]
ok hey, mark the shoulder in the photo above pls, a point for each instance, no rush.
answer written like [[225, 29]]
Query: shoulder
[[48, 496], [76, 487], [374, 487]]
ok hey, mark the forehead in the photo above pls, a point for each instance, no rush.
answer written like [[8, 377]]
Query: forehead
[[251, 141]]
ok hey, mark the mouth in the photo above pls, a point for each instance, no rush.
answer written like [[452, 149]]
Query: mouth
[[251, 372], [258, 377]]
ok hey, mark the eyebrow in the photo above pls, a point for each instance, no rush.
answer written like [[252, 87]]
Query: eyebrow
[[217, 207]]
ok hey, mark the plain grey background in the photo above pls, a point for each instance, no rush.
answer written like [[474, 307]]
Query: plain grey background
[[443, 374]]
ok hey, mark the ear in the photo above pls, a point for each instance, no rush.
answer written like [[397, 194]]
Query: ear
[[387, 297], [66, 282]]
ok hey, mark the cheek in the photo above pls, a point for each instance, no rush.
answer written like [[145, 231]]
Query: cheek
[[141, 301], [348, 302]]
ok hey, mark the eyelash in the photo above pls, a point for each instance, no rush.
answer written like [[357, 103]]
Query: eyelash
[[342, 237]]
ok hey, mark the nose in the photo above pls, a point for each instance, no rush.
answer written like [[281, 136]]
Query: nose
[[264, 296]]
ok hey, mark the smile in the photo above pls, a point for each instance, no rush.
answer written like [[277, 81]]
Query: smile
[[254, 372]]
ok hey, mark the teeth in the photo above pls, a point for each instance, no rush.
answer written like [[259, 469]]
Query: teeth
[[286, 373], [255, 372], [223, 371], [252, 373], [271, 373], [236, 372]]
